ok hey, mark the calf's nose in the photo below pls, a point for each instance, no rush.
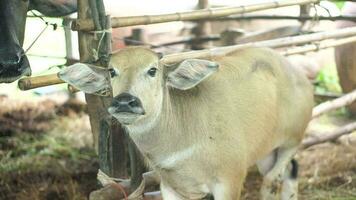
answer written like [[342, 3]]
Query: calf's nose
[[126, 102]]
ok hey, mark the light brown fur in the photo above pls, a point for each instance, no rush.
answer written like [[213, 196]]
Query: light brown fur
[[255, 103]]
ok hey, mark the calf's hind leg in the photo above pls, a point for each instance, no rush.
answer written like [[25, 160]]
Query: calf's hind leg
[[276, 175]]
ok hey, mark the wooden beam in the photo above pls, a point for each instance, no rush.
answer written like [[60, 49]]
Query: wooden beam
[[88, 25]]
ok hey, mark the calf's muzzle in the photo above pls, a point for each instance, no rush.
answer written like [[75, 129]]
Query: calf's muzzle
[[127, 103]]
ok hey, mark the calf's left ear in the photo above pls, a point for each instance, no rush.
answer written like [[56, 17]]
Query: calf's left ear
[[190, 73], [87, 78]]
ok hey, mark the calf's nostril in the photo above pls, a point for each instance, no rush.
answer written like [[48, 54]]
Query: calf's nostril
[[134, 103]]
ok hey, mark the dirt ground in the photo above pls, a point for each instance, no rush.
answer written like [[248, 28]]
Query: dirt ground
[[46, 154]]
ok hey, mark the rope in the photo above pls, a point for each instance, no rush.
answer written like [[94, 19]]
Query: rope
[[105, 180], [102, 32], [35, 40], [54, 25]]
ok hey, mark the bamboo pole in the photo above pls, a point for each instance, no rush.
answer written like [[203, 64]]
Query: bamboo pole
[[275, 43], [328, 136], [286, 17], [318, 46], [201, 39], [38, 81], [334, 104], [349, 33], [88, 25]]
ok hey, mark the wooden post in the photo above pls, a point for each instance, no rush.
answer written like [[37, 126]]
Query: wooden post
[[108, 134], [69, 42], [137, 37], [304, 11], [202, 29]]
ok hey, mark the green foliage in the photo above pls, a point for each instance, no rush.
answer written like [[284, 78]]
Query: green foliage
[[339, 4], [328, 80]]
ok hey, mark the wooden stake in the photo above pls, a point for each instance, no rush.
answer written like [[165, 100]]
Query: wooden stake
[[88, 25]]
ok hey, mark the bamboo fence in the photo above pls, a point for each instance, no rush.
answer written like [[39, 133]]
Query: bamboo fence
[[276, 43], [203, 14], [348, 35], [286, 17]]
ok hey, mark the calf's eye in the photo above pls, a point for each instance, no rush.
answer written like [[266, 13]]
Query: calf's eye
[[152, 71], [112, 72]]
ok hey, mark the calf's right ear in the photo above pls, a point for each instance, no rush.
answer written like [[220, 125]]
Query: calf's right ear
[[87, 78], [190, 73]]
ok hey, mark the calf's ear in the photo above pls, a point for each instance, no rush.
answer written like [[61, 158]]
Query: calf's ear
[[190, 73], [87, 78]]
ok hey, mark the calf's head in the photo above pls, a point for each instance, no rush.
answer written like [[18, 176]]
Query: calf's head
[[139, 82]]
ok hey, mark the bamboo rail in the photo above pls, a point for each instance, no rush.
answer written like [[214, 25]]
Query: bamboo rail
[[318, 46], [342, 101], [349, 33], [116, 22], [286, 17], [38, 81], [328, 136], [275, 43]]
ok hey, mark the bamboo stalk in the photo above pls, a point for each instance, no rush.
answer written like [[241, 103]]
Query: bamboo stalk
[[38, 81], [318, 46], [334, 104], [286, 17], [329, 136], [276, 43], [88, 25], [188, 40]]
